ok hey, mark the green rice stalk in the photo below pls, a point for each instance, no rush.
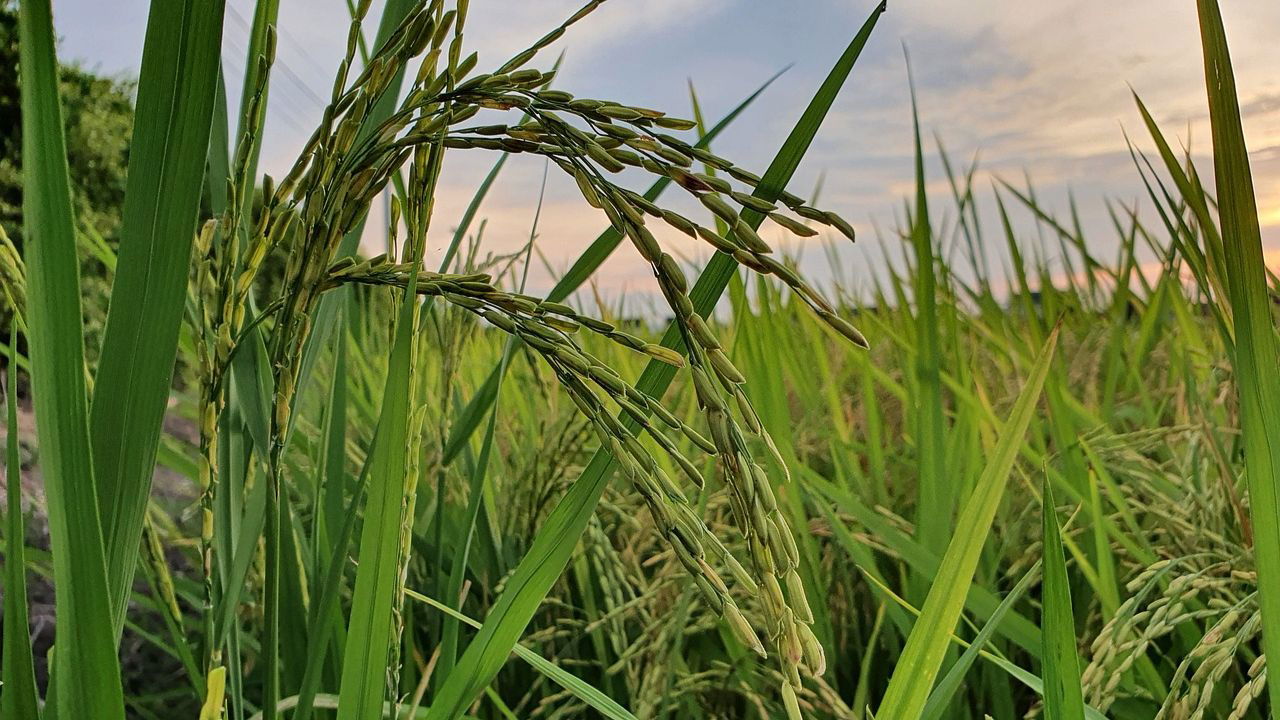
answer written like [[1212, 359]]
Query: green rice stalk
[[85, 666], [1256, 360]]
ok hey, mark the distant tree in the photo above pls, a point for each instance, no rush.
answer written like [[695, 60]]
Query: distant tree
[[98, 112]]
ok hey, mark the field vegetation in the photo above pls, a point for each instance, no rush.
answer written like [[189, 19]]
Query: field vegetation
[[1042, 486]]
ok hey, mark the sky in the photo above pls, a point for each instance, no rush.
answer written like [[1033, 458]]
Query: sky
[[1038, 90]]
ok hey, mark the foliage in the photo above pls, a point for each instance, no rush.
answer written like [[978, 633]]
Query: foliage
[[401, 476], [98, 112]]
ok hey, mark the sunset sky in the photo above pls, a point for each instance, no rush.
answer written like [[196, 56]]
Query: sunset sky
[[1041, 88]]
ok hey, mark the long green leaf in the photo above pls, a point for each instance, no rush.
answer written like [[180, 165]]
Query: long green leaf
[[581, 689], [981, 601], [18, 695], [1063, 699], [934, 513], [554, 544], [1256, 360], [1031, 680], [176, 90], [85, 663], [946, 688], [325, 610], [922, 657], [369, 632]]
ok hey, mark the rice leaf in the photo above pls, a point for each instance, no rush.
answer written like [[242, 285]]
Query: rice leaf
[[325, 608], [1063, 699], [980, 601], [581, 689], [921, 658], [946, 688], [938, 490], [167, 155], [1017, 672], [364, 664], [85, 666], [1256, 361], [333, 528]]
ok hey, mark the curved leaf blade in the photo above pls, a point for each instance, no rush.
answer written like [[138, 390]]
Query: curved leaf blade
[[86, 669], [1257, 358], [1063, 699], [172, 121], [922, 656]]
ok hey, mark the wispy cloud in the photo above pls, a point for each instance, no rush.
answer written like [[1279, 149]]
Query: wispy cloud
[[1030, 87]]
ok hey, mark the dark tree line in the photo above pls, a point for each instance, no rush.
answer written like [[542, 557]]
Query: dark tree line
[[98, 112]]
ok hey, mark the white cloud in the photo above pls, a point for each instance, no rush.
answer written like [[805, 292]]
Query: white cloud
[[1035, 86]]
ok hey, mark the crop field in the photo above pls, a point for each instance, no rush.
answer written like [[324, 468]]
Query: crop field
[[255, 471]]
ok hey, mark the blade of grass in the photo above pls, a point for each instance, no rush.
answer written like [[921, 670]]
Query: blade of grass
[[946, 688], [217, 163], [330, 515], [294, 630], [1063, 699], [18, 695], [1027, 678], [554, 543], [980, 601], [364, 664], [167, 155], [1256, 360], [581, 689], [245, 549], [325, 609], [936, 508], [85, 664], [921, 659]]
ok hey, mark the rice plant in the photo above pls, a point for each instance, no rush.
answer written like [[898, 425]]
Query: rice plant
[[398, 494]]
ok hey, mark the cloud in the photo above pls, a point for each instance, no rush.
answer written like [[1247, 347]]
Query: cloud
[[1041, 88]]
